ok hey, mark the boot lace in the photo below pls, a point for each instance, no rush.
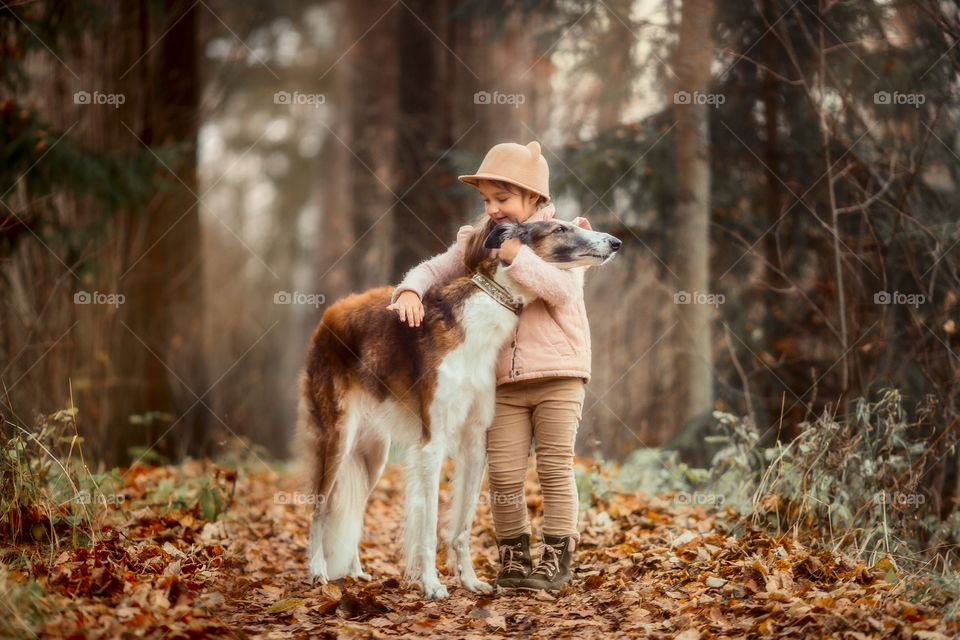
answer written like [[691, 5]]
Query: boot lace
[[550, 560], [508, 557]]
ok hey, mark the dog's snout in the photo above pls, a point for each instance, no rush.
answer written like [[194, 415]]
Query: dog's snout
[[615, 243]]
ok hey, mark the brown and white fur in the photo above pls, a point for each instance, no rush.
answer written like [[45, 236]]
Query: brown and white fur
[[371, 380]]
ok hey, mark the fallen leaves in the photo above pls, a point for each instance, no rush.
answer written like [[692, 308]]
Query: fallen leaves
[[646, 567], [362, 606], [145, 575]]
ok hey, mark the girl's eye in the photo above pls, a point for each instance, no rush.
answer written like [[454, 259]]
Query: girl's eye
[[501, 200]]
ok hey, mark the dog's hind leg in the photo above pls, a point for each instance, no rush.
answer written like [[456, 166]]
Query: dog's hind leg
[[470, 458], [347, 500], [356, 569], [318, 564], [372, 454], [344, 523], [338, 482]]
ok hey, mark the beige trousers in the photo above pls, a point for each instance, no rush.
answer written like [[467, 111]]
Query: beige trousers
[[547, 410]]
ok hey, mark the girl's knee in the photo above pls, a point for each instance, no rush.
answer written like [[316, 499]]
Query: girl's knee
[[555, 461], [554, 477]]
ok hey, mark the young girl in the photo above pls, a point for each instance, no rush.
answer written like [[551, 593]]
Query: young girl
[[540, 373]]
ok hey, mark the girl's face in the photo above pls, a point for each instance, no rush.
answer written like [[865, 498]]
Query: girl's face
[[507, 206]]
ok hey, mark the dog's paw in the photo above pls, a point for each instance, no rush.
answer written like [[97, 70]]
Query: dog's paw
[[318, 570], [477, 586], [434, 590], [411, 574]]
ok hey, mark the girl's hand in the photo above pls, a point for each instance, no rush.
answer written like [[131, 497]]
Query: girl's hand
[[409, 308], [509, 249]]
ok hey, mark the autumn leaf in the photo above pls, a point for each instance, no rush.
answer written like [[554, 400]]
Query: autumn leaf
[[282, 606]]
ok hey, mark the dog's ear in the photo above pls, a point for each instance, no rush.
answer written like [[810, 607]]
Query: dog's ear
[[500, 233], [503, 232]]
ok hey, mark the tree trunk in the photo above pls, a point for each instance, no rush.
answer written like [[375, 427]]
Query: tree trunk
[[422, 213], [771, 297], [144, 355], [692, 337], [168, 314], [356, 247], [157, 346]]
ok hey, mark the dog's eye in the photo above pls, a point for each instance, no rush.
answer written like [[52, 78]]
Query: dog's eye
[[560, 230]]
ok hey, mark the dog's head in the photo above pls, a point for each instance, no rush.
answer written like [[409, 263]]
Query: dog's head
[[557, 241]]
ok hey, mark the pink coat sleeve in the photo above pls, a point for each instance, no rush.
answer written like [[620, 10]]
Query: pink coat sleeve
[[557, 287], [440, 269]]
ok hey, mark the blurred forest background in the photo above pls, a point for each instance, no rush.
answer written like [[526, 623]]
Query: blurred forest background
[[185, 185]]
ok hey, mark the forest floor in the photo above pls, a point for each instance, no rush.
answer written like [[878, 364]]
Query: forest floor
[[646, 568]]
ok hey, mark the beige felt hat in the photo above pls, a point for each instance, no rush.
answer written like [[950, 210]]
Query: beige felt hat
[[517, 164]]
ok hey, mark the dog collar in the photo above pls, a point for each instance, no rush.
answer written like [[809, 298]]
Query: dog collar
[[496, 291]]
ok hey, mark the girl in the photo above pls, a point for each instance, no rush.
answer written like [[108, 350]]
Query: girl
[[540, 374]]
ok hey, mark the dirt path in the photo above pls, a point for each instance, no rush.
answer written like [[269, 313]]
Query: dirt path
[[645, 569]]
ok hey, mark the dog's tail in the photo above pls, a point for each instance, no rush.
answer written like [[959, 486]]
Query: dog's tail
[[311, 441]]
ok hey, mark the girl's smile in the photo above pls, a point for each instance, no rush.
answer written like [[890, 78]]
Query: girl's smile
[[503, 205]]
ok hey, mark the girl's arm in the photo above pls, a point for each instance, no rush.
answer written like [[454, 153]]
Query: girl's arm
[[557, 287], [440, 269]]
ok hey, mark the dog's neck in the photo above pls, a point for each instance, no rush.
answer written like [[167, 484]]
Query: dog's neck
[[495, 270]]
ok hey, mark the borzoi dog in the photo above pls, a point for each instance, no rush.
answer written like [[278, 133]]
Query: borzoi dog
[[371, 380]]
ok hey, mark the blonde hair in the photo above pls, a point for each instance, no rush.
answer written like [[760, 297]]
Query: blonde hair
[[475, 252]]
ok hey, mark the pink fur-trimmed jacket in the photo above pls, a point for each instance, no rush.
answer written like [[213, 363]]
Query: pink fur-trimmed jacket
[[552, 337]]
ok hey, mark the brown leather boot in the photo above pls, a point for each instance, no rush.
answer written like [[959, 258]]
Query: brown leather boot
[[553, 571], [515, 560]]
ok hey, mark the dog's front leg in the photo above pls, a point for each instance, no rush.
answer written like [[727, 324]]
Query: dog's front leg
[[433, 461], [423, 486], [467, 476]]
